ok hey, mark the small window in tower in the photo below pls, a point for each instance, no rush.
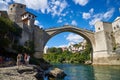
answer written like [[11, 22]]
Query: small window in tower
[[29, 15], [32, 16], [13, 5], [21, 6], [98, 28], [117, 26], [114, 28]]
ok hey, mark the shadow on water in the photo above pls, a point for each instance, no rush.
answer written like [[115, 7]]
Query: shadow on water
[[88, 72]]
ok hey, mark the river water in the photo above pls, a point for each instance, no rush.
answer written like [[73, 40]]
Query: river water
[[89, 72]]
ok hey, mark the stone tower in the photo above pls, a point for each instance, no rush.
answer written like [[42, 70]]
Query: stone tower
[[116, 31], [15, 11], [103, 42], [103, 37], [18, 14]]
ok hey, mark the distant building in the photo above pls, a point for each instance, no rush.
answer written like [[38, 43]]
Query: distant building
[[79, 48], [45, 50], [64, 49]]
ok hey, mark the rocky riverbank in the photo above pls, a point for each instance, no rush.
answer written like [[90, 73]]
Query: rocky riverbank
[[30, 72]]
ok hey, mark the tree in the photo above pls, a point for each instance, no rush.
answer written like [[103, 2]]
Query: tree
[[8, 32], [29, 47]]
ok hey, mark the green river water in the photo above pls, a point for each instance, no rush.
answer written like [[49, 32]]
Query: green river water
[[89, 72]]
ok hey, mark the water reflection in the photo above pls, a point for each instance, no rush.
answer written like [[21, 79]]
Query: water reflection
[[107, 72], [87, 72]]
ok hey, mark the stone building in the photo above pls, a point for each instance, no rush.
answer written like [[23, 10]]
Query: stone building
[[107, 35], [25, 20], [79, 48]]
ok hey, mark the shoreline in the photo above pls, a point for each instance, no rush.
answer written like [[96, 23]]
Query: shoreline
[[30, 72]]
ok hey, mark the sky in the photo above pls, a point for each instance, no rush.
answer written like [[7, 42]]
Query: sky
[[80, 13]]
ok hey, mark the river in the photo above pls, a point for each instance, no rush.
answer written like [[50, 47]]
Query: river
[[89, 72]]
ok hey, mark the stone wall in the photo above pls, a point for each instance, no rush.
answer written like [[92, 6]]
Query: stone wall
[[102, 58], [40, 38], [15, 11]]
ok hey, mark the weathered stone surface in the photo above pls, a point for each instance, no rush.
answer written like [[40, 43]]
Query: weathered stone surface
[[21, 73], [88, 62], [57, 73]]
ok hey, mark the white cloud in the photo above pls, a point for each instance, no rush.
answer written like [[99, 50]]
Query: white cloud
[[38, 23], [91, 10], [34, 4], [4, 5], [60, 20], [93, 18], [93, 21], [20, 1], [86, 15], [81, 2], [74, 38], [56, 7], [102, 16], [74, 23], [108, 14]]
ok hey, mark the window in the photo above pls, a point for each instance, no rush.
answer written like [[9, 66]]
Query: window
[[99, 28], [114, 28], [21, 6], [13, 5], [32, 16], [29, 15], [117, 26]]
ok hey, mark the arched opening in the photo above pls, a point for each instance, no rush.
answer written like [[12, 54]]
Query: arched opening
[[70, 47]]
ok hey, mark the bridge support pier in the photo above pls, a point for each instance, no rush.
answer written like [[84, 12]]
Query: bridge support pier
[[38, 54], [106, 58]]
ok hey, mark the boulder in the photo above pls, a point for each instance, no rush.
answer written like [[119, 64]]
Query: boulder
[[56, 73], [88, 62]]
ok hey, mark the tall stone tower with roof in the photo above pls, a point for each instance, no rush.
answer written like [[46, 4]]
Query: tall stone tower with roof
[[18, 14]]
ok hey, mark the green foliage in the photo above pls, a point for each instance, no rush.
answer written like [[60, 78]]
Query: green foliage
[[28, 47], [55, 50], [8, 32], [67, 56]]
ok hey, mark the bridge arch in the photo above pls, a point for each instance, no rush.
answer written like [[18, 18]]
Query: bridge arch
[[88, 35], [102, 54]]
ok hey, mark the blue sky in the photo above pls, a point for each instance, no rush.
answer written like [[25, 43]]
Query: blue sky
[[80, 13]]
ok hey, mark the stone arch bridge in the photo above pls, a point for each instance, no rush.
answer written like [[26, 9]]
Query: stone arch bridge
[[100, 53]]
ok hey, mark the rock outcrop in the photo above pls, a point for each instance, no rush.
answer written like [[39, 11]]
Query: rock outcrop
[[21, 73], [57, 73]]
